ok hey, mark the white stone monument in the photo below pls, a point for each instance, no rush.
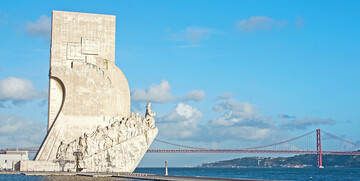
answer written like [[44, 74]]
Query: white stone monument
[[89, 102]]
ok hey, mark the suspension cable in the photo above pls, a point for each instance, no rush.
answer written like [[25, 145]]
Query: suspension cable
[[244, 149], [252, 148], [197, 148], [341, 139]]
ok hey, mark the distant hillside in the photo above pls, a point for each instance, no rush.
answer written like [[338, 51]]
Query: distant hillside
[[295, 161]]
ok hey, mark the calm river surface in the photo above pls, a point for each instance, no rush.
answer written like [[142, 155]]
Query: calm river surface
[[352, 174]]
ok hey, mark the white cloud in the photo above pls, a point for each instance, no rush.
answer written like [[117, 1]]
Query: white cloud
[[195, 95], [17, 90], [161, 93], [285, 116], [41, 27], [259, 23], [181, 123], [240, 120], [293, 122], [225, 95], [16, 131], [235, 109], [244, 133], [193, 35], [155, 93]]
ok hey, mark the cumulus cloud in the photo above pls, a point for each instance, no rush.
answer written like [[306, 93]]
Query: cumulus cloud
[[236, 120], [247, 133], [236, 106], [293, 122], [18, 90], [259, 23], [239, 120], [195, 95], [285, 116], [41, 27], [193, 35], [159, 93], [181, 123], [225, 95], [16, 131]]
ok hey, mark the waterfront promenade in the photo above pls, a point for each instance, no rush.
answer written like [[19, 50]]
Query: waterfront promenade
[[121, 176]]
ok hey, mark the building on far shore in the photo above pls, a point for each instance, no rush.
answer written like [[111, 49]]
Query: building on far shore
[[9, 160]]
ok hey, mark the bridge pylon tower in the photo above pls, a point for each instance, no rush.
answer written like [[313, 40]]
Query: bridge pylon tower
[[318, 149]]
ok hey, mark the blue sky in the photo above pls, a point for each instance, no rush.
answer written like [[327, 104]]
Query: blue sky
[[220, 74]]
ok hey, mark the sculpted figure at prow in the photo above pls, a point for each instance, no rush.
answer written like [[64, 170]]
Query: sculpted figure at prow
[[150, 121]]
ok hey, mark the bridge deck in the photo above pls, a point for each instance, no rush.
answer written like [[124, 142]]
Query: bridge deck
[[251, 151]]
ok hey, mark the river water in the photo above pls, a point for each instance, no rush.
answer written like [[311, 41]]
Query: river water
[[352, 174], [309, 174]]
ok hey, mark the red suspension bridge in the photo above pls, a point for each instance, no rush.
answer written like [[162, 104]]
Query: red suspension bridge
[[326, 144], [284, 147]]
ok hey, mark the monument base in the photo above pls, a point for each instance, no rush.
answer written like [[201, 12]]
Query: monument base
[[123, 157]]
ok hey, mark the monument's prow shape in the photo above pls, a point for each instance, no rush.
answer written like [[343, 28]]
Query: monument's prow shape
[[89, 101]]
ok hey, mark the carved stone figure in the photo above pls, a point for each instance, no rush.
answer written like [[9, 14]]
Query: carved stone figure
[[61, 151], [70, 149], [149, 114], [85, 144], [108, 140], [102, 140], [113, 134], [98, 137], [92, 143]]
